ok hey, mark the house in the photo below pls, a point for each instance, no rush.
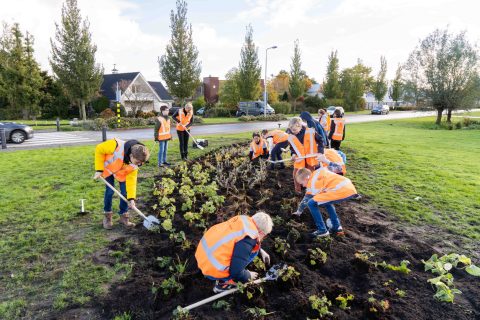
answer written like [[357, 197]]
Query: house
[[315, 90], [136, 93]]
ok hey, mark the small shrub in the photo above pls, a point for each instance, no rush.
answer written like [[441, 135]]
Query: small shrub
[[107, 114], [282, 108], [321, 305], [257, 313], [197, 119], [317, 256], [221, 305], [268, 117], [217, 112], [342, 301]]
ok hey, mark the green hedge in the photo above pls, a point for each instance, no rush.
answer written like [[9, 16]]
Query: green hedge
[[125, 122], [282, 107], [268, 117]]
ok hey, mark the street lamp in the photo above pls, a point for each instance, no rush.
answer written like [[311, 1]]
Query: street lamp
[[265, 82]]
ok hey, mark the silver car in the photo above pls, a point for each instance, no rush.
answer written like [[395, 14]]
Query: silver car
[[16, 132]]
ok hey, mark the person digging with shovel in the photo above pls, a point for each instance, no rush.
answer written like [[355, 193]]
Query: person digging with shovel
[[184, 120], [227, 248], [119, 160]]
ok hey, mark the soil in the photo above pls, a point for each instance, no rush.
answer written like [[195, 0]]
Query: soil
[[367, 230]]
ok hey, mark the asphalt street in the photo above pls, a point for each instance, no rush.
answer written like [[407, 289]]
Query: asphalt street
[[62, 139]]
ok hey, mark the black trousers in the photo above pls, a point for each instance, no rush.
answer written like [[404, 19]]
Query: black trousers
[[336, 144], [183, 142]]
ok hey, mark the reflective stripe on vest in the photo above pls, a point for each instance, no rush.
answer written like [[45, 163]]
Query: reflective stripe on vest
[[339, 126], [299, 151], [311, 187], [164, 131], [114, 164], [310, 145], [210, 251], [257, 149]]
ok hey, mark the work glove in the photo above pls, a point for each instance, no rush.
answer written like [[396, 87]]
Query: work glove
[[97, 175], [297, 213], [253, 275], [265, 256]]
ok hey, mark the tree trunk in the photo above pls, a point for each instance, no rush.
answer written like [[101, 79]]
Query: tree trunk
[[439, 116], [449, 116], [83, 113]]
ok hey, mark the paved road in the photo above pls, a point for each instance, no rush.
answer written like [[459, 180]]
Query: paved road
[[61, 139]]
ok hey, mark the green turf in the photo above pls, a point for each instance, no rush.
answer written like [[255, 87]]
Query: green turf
[[46, 248]]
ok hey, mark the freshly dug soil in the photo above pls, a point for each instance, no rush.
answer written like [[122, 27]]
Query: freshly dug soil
[[367, 230]]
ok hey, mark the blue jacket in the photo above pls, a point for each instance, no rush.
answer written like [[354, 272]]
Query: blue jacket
[[312, 123]]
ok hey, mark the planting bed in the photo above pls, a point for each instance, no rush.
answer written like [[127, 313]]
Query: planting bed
[[158, 285]]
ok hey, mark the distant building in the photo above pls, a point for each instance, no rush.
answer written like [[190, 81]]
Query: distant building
[[315, 90], [136, 92], [371, 101]]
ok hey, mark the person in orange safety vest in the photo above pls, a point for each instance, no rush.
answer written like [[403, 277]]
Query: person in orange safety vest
[[258, 147], [276, 140], [162, 135], [337, 130], [119, 160], [184, 119], [324, 188], [227, 248]]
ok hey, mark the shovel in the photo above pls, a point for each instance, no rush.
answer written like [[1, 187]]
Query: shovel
[[148, 222], [297, 158], [195, 141], [272, 275]]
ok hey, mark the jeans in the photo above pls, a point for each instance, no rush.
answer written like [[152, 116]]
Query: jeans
[[276, 153], [183, 142], [317, 216], [162, 151], [107, 200], [251, 258]]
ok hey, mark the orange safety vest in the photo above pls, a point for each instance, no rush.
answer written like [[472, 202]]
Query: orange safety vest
[[310, 146], [114, 163], [164, 131], [339, 127], [326, 124], [277, 136], [257, 149], [333, 156], [215, 250], [299, 149], [326, 186], [183, 119]]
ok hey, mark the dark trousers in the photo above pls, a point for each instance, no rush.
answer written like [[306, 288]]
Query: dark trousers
[[335, 144], [183, 142]]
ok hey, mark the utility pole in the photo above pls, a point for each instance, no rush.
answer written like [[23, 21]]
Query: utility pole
[[265, 82]]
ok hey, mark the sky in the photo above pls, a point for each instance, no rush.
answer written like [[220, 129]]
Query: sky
[[133, 33]]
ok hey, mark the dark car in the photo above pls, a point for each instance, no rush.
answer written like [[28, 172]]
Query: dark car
[[16, 132], [201, 112], [381, 109]]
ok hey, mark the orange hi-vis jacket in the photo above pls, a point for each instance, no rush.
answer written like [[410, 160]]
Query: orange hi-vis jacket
[[109, 158], [215, 250], [333, 156], [257, 149], [299, 150], [183, 119], [310, 146], [326, 186], [339, 126], [164, 131], [277, 136], [325, 122]]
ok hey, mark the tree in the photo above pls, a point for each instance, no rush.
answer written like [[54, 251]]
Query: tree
[[271, 93], [53, 103], [229, 92], [20, 78], [396, 90], [380, 84], [179, 66], [73, 58], [249, 69], [447, 70], [331, 87], [296, 85], [354, 82]]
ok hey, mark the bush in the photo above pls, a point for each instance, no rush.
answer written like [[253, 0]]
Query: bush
[[268, 117], [197, 119], [218, 112], [145, 115], [198, 103], [100, 104], [312, 104], [107, 113], [282, 108], [334, 102], [405, 108]]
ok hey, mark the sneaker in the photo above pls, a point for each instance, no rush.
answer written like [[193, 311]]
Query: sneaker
[[161, 165], [166, 164], [319, 234], [221, 286], [339, 232]]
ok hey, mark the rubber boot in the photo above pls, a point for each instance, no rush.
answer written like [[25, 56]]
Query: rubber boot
[[124, 220], [107, 220]]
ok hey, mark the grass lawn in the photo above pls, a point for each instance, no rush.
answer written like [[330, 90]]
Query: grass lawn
[[46, 248], [47, 251]]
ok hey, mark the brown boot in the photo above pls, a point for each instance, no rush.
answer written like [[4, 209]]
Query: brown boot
[[124, 220], [107, 220]]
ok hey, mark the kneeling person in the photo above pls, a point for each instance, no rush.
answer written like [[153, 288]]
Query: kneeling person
[[227, 248], [258, 147], [324, 188]]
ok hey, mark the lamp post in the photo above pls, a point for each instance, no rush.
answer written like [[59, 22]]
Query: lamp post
[[265, 82]]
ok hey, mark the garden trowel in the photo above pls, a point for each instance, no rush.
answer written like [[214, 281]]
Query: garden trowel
[[148, 222], [272, 274]]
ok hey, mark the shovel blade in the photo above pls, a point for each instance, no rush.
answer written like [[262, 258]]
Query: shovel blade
[[200, 147], [151, 222]]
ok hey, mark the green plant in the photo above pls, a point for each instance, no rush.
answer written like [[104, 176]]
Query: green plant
[[293, 235], [123, 316], [376, 305], [289, 274], [400, 293], [178, 268], [164, 262], [343, 300], [181, 314], [364, 255], [170, 285], [221, 304], [317, 255], [403, 267], [258, 313], [259, 265], [321, 305], [281, 246]]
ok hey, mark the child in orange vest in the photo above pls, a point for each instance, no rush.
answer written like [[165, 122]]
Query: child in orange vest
[[324, 188], [162, 135], [119, 160], [258, 147], [337, 130]]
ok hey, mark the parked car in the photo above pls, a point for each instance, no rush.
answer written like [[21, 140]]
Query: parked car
[[16, 132], [381, 109], [201, 111], [253, 108], [332, 109]]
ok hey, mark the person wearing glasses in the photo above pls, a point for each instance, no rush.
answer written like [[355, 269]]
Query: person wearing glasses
[[119, 160]]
